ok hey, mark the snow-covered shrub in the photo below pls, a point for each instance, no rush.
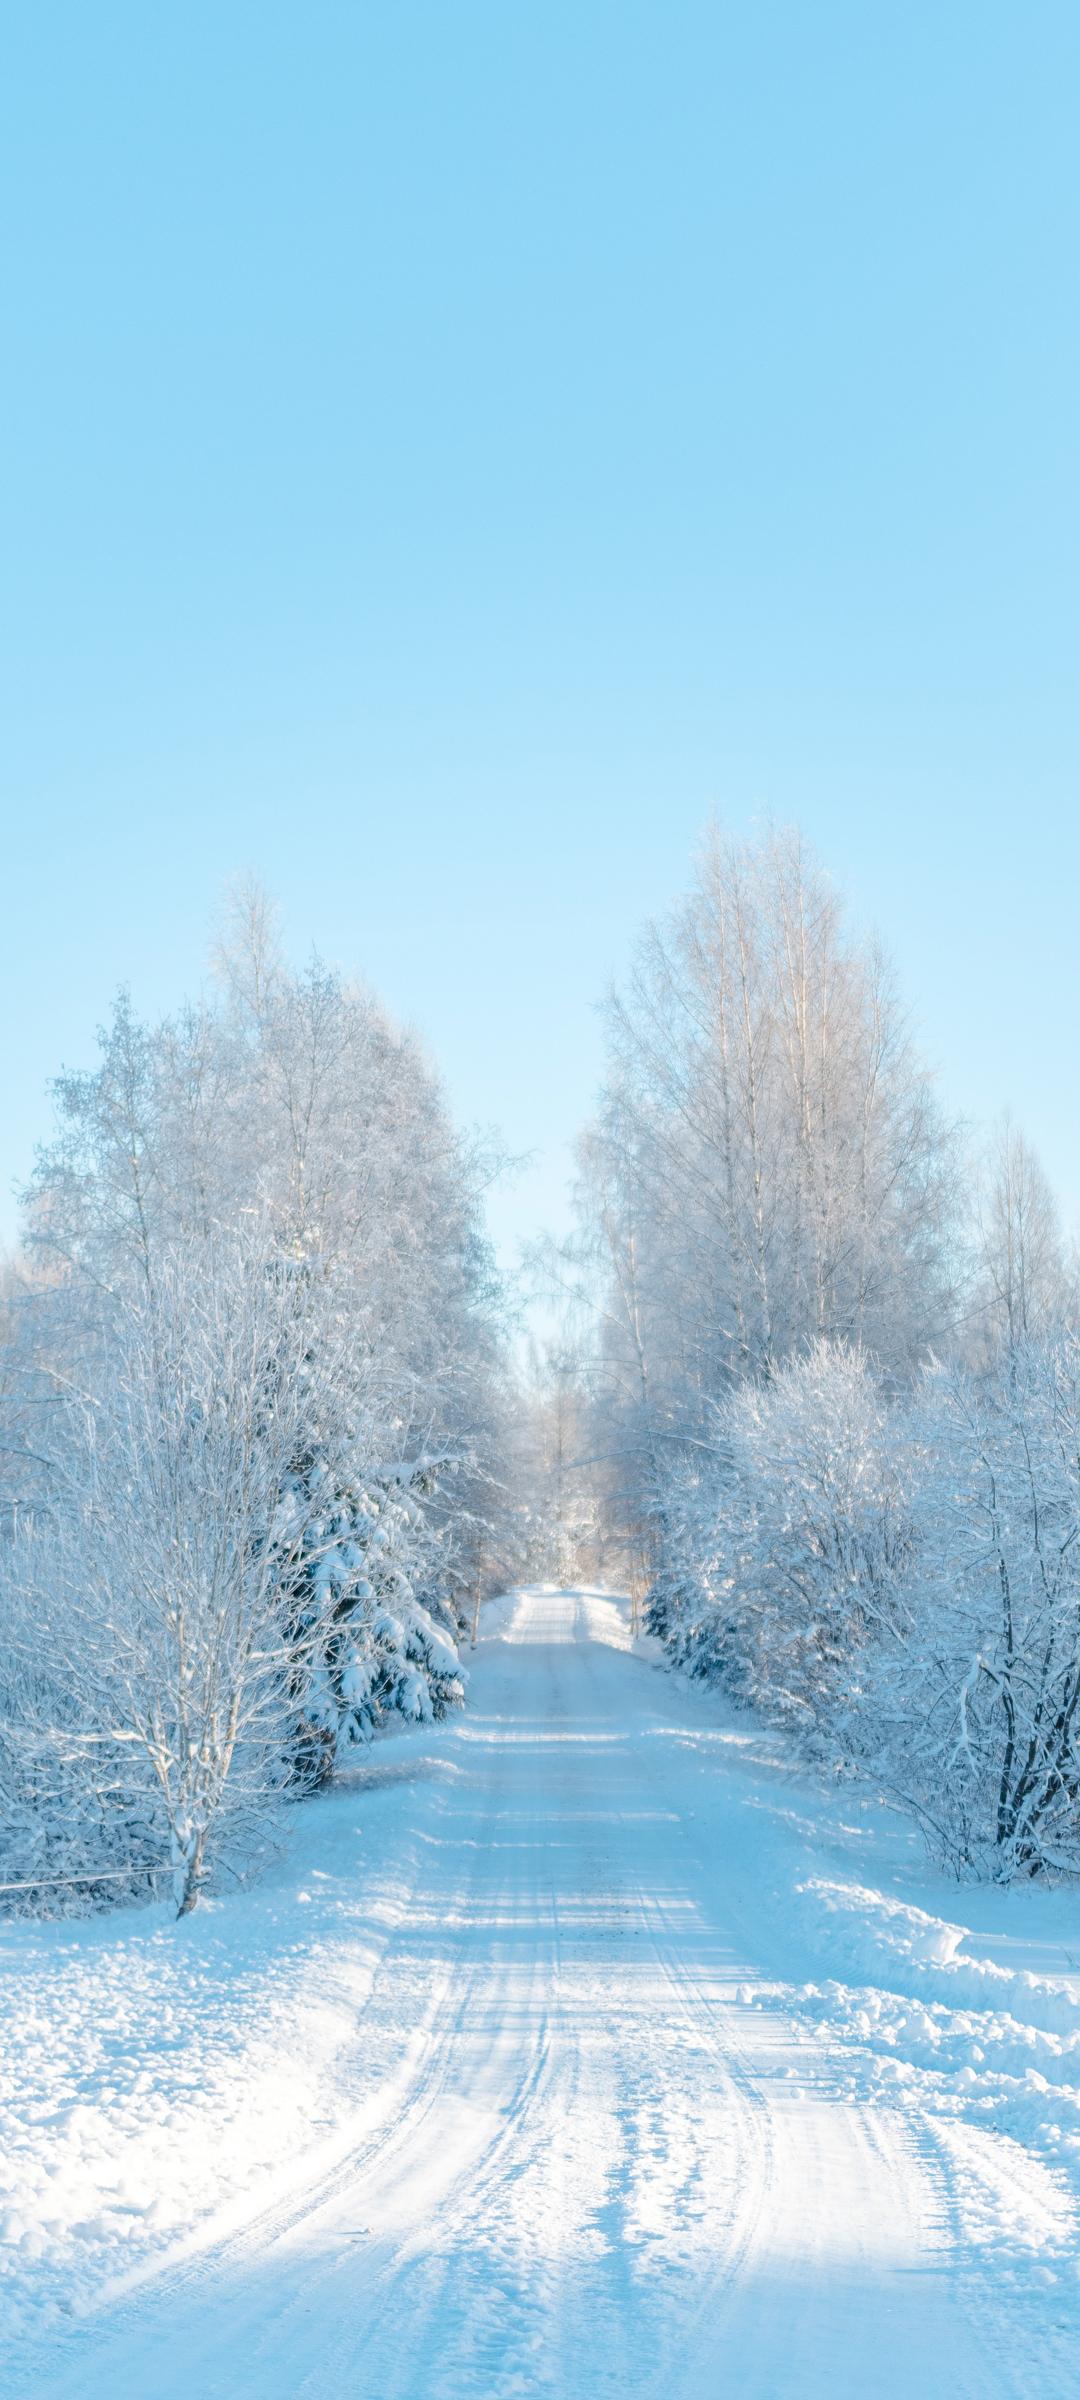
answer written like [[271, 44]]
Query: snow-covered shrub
[[157, 1581], [788, 1553], [974, 1714], [898, 1581], [79, 1822]]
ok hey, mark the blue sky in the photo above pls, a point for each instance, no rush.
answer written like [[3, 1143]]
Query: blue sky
[[450, 451]]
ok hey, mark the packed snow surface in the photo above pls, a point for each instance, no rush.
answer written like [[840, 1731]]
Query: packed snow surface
[[579, 2048]]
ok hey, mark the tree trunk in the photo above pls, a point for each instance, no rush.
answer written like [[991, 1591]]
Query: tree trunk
[[189, 1876]]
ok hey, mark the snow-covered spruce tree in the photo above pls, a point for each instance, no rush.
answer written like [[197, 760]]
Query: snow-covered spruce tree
[[367, 1610]]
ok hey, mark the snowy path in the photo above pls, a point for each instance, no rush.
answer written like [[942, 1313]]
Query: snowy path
[[601, 2139]]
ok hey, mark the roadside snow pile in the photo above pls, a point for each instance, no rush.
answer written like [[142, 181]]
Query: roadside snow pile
[[874, 1930], [993, 2049]]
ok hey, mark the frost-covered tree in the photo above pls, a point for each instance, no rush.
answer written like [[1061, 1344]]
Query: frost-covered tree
[[287, 1117], [156, 1583], [767, 1167], [1024, 1289], [296, 1103]]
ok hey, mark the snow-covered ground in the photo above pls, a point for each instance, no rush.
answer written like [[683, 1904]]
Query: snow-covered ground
[[580, 2048]]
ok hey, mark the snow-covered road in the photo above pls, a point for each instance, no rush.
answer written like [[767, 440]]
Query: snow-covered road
[[599, 2133]]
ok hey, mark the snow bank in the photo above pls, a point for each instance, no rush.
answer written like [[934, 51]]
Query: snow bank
[[153, 2072], [924, 2017]]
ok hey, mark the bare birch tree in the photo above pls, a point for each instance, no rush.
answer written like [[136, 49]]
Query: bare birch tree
[[767, 1166], [1025, 1288]]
